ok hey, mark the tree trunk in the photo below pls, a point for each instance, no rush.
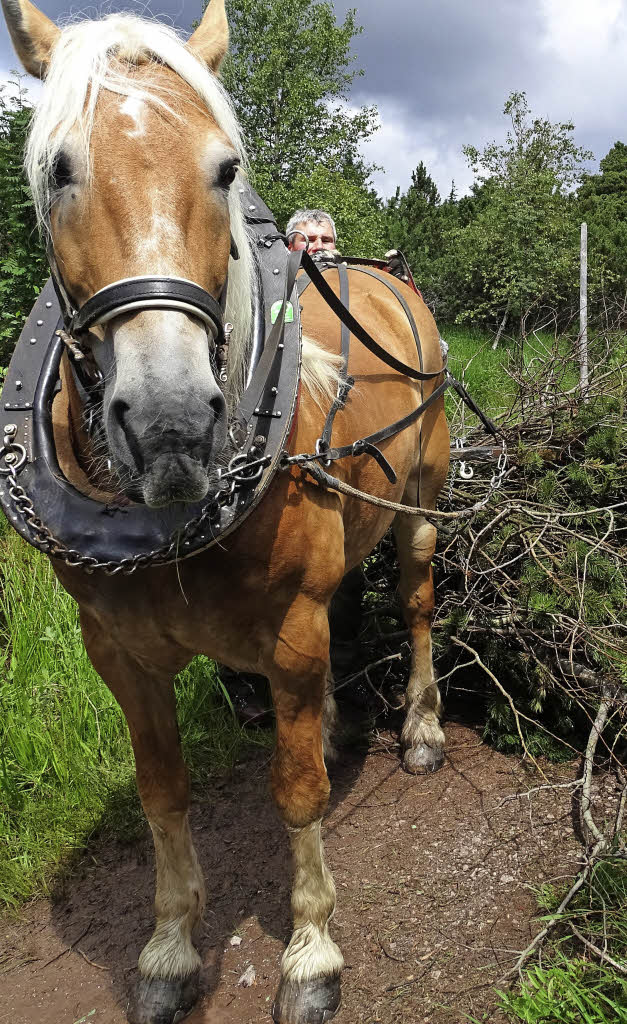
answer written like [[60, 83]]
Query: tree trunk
[[495, 343]]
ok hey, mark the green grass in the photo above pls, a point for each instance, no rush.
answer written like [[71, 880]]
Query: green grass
[[66, 765], [471, 359], [571, 984], [568, 990]]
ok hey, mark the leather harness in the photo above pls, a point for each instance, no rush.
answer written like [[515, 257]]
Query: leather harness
[[59, 520]]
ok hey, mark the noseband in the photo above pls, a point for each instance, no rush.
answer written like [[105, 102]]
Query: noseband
[[135, 294]]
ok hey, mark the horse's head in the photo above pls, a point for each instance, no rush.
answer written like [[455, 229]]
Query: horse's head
[[132, 155]]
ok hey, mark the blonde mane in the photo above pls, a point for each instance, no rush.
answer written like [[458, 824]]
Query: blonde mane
[[92, 56]]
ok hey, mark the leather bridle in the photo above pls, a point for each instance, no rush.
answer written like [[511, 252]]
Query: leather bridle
[[135, 294]]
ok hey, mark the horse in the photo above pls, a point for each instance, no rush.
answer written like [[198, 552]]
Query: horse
[[134, 158]]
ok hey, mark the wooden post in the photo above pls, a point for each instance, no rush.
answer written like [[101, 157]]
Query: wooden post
[[582, 353]]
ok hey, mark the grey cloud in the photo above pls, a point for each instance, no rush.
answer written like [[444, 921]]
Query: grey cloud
[[446, 58], [441, 70]]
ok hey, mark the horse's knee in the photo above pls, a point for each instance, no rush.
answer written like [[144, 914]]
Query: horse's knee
[[300, 785]]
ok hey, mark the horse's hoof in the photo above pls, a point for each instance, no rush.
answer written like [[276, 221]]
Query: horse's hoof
[[422, 759], [307, 1002], [156, 1001]]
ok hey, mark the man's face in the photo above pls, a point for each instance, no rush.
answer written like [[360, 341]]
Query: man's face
[[319, 236]]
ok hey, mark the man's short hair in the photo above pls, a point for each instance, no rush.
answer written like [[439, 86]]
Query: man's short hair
[[317, 216]]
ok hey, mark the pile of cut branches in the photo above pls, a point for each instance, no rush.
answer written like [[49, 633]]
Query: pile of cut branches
[[535, 585], [531, 602], [532, 589]]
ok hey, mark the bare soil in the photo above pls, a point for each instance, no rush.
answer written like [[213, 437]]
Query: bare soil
[[434, 874]]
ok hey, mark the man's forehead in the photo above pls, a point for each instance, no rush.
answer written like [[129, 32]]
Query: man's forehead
[[311, 227]]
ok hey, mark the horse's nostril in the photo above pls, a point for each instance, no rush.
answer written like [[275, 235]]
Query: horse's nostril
[[118, 411], [218, 407]]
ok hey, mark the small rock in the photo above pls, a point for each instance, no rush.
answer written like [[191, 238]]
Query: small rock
[[248, 978], [235, 940]]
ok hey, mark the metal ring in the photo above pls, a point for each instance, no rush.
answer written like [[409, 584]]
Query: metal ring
[[14, 466], [291, 235]]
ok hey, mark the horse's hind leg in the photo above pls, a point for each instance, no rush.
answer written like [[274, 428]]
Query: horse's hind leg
[[168, 965], [422, 738], [309, 992]]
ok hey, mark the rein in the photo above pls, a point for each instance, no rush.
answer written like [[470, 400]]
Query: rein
[[325, 453]]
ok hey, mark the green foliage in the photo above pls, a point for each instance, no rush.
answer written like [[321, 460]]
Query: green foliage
[[569, 991], [23, 268], [421, 225], [354, 208], [289, 73], [508, 251], [567, 986], [570, 576], [520, 252], [602, 202]]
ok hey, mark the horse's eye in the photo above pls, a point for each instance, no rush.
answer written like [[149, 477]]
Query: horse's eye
[[61, 171], [227, 173]]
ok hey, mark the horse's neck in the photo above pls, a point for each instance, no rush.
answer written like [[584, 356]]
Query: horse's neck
[[73, 446]]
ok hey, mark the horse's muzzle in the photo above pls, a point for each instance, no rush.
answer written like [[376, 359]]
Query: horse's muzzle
[[165, 451], [172, 477]]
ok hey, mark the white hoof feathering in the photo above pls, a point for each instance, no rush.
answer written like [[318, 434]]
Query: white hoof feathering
[[311, 952]]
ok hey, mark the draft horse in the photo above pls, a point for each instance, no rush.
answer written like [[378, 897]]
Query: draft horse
[[134, 157]]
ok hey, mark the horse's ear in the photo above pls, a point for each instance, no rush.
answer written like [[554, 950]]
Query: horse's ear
[[33, 35], [210, 41]]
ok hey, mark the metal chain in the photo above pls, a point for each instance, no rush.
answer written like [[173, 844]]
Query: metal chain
[[239, 474]]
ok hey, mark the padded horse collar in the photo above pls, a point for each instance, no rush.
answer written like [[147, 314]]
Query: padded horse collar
[[53, 516]]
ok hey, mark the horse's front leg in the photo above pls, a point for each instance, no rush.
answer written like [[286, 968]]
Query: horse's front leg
[[169, 965], [309, 992]]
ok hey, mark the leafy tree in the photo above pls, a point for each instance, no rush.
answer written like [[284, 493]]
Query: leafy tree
[[289, 73], [411, 216], [418, 223], [23, 267], [520, 252], [603, 204]]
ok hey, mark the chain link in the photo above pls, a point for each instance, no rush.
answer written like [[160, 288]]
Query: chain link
[[240, 474], [45, 541], [496, 480], [498, 476]]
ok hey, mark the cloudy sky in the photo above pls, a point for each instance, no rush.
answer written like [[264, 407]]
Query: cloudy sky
[[440, 71]]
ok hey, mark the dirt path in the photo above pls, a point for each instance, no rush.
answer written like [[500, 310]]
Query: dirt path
[[434, 878]]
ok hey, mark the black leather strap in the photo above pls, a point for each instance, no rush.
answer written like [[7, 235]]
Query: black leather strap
[[147, 292], [402, 302], [360, 447], [356, 328], [472, 405], [345, 382]]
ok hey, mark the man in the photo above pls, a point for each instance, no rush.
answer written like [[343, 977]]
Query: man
[[315, 231]]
